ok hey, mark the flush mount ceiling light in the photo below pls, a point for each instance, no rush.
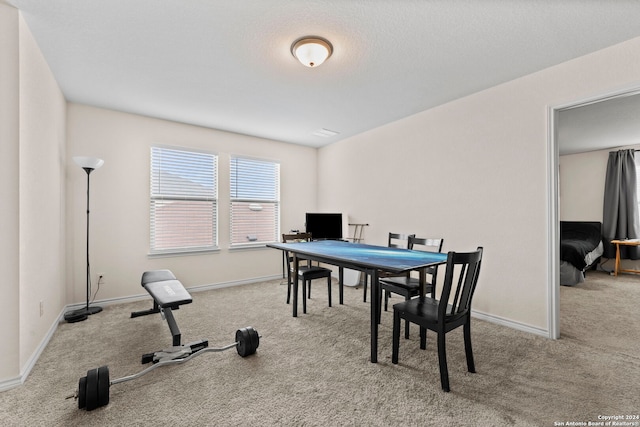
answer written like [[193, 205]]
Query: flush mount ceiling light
[[311, 51]]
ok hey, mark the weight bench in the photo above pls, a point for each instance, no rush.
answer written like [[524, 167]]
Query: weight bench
[[168, 294]]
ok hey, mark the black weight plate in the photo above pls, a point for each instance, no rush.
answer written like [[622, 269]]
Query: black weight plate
[[82, 393], [92, 390], [255, 339], [244, 341], [253, 342], [240, 346], [103, 386]]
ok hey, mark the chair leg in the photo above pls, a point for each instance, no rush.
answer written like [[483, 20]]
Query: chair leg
[[364, 296], [406, 325], [379, 297], [329, 289], [386, 300], [423, 338], [288, 289], [309, 290], [380, 307], [467, 346], [396, 337], [304, 296], [442, 360]]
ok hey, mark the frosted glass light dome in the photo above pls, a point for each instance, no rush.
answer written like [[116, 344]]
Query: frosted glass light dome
[[88, 162], [311, 51]]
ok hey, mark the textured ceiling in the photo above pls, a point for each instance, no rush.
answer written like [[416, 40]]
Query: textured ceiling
[[227, 64]]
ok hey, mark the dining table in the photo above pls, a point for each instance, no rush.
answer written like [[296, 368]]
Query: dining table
[[369, 259]]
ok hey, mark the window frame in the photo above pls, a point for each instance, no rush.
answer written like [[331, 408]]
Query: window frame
[[276, 202], [214, 199]]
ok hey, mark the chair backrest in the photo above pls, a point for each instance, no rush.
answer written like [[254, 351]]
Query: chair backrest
[[291, 238], [397, 240], [427, 245], [461, 278], [297, 237]]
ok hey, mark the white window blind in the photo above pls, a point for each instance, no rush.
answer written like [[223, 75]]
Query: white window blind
[[183, 200], [255, 201]]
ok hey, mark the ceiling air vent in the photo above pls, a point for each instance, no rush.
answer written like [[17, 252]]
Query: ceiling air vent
[[325, 133]]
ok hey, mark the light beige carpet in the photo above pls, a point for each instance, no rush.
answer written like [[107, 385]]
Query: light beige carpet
[[314, 370]]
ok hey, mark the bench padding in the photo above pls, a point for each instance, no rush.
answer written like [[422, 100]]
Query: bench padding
[[165, 289], [156, 276]]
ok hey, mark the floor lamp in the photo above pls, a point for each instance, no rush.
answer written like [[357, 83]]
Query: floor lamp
[[89, 164]]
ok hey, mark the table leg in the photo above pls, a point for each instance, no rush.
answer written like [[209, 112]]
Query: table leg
[[375, 308], [341, 283], [615, 273], [295, 285]]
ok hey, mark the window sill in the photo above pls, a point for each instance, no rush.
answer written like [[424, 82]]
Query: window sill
[[248, 247], [182, 253]]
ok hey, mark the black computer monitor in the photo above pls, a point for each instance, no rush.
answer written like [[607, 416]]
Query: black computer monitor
[[324, 225]]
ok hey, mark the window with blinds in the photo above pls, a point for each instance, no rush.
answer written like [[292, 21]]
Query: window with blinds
[[255, 201], [183, 200]]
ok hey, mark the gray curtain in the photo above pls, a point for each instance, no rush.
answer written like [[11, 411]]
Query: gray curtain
[[620, 216]]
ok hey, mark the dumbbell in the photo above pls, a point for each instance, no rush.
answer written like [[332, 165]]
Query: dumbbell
[[93, 389]]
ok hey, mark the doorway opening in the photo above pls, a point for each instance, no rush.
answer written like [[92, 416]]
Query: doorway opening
[[554, 148]]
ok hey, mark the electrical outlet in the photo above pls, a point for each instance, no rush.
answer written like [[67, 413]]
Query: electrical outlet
[[101, 278], [41, 308]]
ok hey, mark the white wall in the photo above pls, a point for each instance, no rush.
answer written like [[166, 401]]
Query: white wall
[[120, 201], [42, 196], [32, 181], [475, 172], [9, 179], [582, 179]]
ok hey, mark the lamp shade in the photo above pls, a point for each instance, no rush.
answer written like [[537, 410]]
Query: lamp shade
[[88, 162], [311, 51]]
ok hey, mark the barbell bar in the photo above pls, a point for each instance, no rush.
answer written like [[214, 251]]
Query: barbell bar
[[93, 389]]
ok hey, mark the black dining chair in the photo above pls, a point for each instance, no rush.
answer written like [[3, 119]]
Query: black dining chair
[[306, 272], [395, 240], [444, 315], [408, 286]]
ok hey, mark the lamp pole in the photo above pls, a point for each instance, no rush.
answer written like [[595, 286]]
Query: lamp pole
[[89, 164], [94, 309]]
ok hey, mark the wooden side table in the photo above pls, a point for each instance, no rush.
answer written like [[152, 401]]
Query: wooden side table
[[627, 242]]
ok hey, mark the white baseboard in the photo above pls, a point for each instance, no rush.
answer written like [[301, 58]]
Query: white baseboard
[[232, 283], [510, 323], [141, 297], [26, 370], [18, 381], [11, 383]]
